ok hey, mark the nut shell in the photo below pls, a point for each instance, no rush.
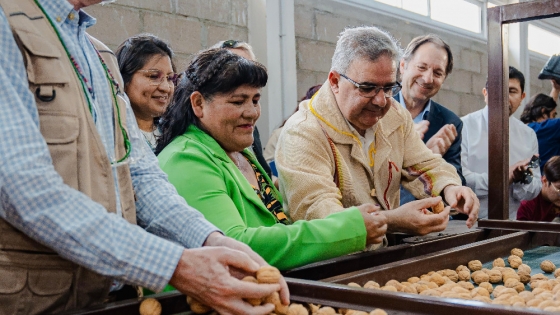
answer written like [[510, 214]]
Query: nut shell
[[517, 252], [438, 208], [297, 309], [150, 306], [498, 262], [474, 265], [268, 274], [548, 266], [514, 261]]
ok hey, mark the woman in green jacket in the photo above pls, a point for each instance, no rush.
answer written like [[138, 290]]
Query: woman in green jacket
[[205, 133]]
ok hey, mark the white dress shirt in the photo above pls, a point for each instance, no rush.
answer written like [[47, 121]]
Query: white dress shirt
[[474, 159]]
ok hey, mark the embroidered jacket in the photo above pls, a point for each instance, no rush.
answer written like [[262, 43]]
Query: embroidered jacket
[[315, 184]]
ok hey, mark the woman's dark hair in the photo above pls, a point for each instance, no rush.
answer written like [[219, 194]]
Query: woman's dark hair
[[551, 169], [136, 51], [538, 106], [211, 72], [308, 95]]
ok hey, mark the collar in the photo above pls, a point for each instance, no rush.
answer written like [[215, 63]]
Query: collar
[[423, 115], [61, 11]]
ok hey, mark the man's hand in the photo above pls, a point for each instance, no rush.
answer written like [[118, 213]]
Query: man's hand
[[463, 199], [422, 128], [375, 221], [443, 139], [517, 169], [211, 275], [217, 239], [413, 218]]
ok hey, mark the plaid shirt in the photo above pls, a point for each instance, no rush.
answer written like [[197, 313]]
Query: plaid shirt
[[34, 199]]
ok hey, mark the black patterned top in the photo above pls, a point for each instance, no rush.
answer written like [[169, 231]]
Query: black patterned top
[[264, 191]]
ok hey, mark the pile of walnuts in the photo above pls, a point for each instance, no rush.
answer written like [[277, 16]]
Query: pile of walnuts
[[457, 283], [265, 274]]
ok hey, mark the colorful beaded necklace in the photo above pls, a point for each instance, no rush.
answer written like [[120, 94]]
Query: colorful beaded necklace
[[115, 89]]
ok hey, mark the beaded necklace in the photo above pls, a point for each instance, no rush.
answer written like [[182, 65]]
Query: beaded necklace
[[86, 87]]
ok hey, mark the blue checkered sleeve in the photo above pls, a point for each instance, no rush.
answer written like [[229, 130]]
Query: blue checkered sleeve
[[34, 199]]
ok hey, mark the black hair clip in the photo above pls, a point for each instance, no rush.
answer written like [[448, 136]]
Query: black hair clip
[[230, 43]]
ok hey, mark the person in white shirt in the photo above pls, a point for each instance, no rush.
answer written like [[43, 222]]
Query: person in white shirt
[[522, 146]]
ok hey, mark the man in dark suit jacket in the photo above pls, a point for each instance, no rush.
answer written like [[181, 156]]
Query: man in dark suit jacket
[[426, 63]]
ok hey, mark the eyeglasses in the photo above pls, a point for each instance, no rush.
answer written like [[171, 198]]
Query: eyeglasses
[[157, 76], [368, 90], [230, 43]]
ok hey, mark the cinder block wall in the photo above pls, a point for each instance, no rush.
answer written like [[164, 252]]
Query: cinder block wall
[[187, 25], [318, 24], [192, 25]]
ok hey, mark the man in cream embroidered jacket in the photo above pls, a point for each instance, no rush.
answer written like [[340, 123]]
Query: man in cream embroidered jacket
[[345, 147]]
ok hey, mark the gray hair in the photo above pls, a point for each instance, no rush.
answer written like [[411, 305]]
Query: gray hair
[[363, 42], [238, 45]]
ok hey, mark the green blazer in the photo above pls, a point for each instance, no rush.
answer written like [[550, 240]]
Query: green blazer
[[209, 181]]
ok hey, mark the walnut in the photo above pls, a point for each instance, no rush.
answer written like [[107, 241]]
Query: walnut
[[409, 289], [389, 288], [354, 312], [526, 295], [451, 274], [315, 307], [464, 275], [480, 291], [466, 285], [394, 283], [538, 276], [516, 299], [372, 285], [504, 291], [254, 301], [431, 292], [461, 267], [534, 302], [494, 276], [482, 298], [438, 279], [459, 289], [378, 311], [519, 304], [475, 265], [557, 273], [479, 276], [197, 307], [268, 274], [297, 309], [544, 285], [325, 311], [438, 208], [524, 268], [510, 275], [413, 279], [514, 261], [515, 284], [279, 308], [498, 262], [487, 286], [546, 303], [354, 284], [150, 306], [524, 277], [421, 287], [547, 266], [517, 252]]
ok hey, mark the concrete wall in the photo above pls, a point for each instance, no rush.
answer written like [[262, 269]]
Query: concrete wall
[[318, 24], [188, 25], [192, 25]]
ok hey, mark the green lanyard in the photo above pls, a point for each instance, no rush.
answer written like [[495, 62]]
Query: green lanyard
[[108, 75]]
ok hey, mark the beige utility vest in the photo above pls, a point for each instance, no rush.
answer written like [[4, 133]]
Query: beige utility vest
[[31, 273]]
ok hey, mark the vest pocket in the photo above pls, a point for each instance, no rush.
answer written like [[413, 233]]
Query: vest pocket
[[42, 59]]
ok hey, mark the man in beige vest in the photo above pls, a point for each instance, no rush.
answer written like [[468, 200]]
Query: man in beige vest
[[76, 177], [352, 144]]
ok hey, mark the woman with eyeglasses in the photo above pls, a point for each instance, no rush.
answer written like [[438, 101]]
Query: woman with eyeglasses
[[148, 71], [203, 149], [540, 115]]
